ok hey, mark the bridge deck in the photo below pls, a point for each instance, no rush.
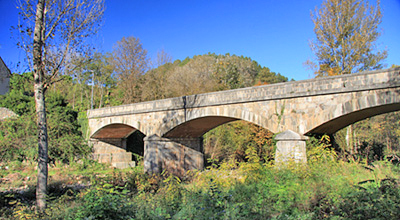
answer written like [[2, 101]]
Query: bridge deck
[[371, 80]]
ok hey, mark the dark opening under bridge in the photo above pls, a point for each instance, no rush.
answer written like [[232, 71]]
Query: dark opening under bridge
[[173, 128]]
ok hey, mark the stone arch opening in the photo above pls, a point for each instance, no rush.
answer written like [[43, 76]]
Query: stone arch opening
[[370, 138], [336, 124], [236, 141], [117, 130], [118, 144], [197, 127], [198, 135]]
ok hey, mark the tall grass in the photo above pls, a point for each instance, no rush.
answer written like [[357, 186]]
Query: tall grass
[[325, 188], [319, 190]]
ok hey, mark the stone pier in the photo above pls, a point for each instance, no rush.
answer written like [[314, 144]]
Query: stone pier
[[290, 146], [176, 156]]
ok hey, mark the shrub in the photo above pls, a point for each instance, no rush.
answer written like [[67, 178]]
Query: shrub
[[371, 203], [102, 201], [18, 138]]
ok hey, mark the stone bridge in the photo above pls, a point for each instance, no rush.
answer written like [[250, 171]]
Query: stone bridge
[[173, 128]]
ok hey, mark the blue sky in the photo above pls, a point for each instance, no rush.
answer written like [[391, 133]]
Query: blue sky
[[275, 33]]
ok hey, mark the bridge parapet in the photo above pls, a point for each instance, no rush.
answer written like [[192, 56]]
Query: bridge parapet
[[364, 81]]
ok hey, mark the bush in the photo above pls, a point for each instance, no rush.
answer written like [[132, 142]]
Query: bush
[[103, 201], [246, 191], [18, 136], [371, 202]]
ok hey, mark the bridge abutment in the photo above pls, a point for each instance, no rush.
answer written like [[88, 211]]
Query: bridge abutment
[[112, 151], [290, 146], [175, 155]]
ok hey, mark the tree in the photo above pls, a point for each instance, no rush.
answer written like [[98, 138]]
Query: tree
[[346, 32], [162, 58], [100, 69], [53, 32], [131, 62], [194, 77]]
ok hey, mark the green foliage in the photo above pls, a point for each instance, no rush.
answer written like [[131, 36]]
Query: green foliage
[[265, 76], [20, 97], [19, 103], [321, 150], [84, 124], [250, 190], [370, 203], [18, 140], [184, 62], [371, 139], [103, 201], [341, 45], [236, 141], [370, 152]]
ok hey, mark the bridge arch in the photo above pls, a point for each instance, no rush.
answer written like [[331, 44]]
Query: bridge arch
[[115, 130], [359, 107], [114, 143], [195, 123], [197, 127]]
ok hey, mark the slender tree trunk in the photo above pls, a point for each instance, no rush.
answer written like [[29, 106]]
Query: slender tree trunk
[[87, 97], [349, 139], [38, 68], [41, 188], [91, 97], [73, 98], [101, 96], [81, 85]]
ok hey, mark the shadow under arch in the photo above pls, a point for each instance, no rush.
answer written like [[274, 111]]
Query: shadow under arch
[[117, 130], [336, 124], [122, 136], [197, 127]]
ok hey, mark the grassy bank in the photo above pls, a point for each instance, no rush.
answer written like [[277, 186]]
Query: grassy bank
[[324, 189]]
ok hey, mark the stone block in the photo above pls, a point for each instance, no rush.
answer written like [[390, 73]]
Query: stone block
[[123, 165], [103, 158], [121, 157]]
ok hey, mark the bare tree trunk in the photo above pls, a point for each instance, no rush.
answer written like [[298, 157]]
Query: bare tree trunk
[[349, 139], [101, 96], [81, 86], [87, 95], [41, 188], [73, 98]]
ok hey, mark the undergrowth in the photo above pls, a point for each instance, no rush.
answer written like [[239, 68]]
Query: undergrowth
[[325, 188], [319, 190]]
